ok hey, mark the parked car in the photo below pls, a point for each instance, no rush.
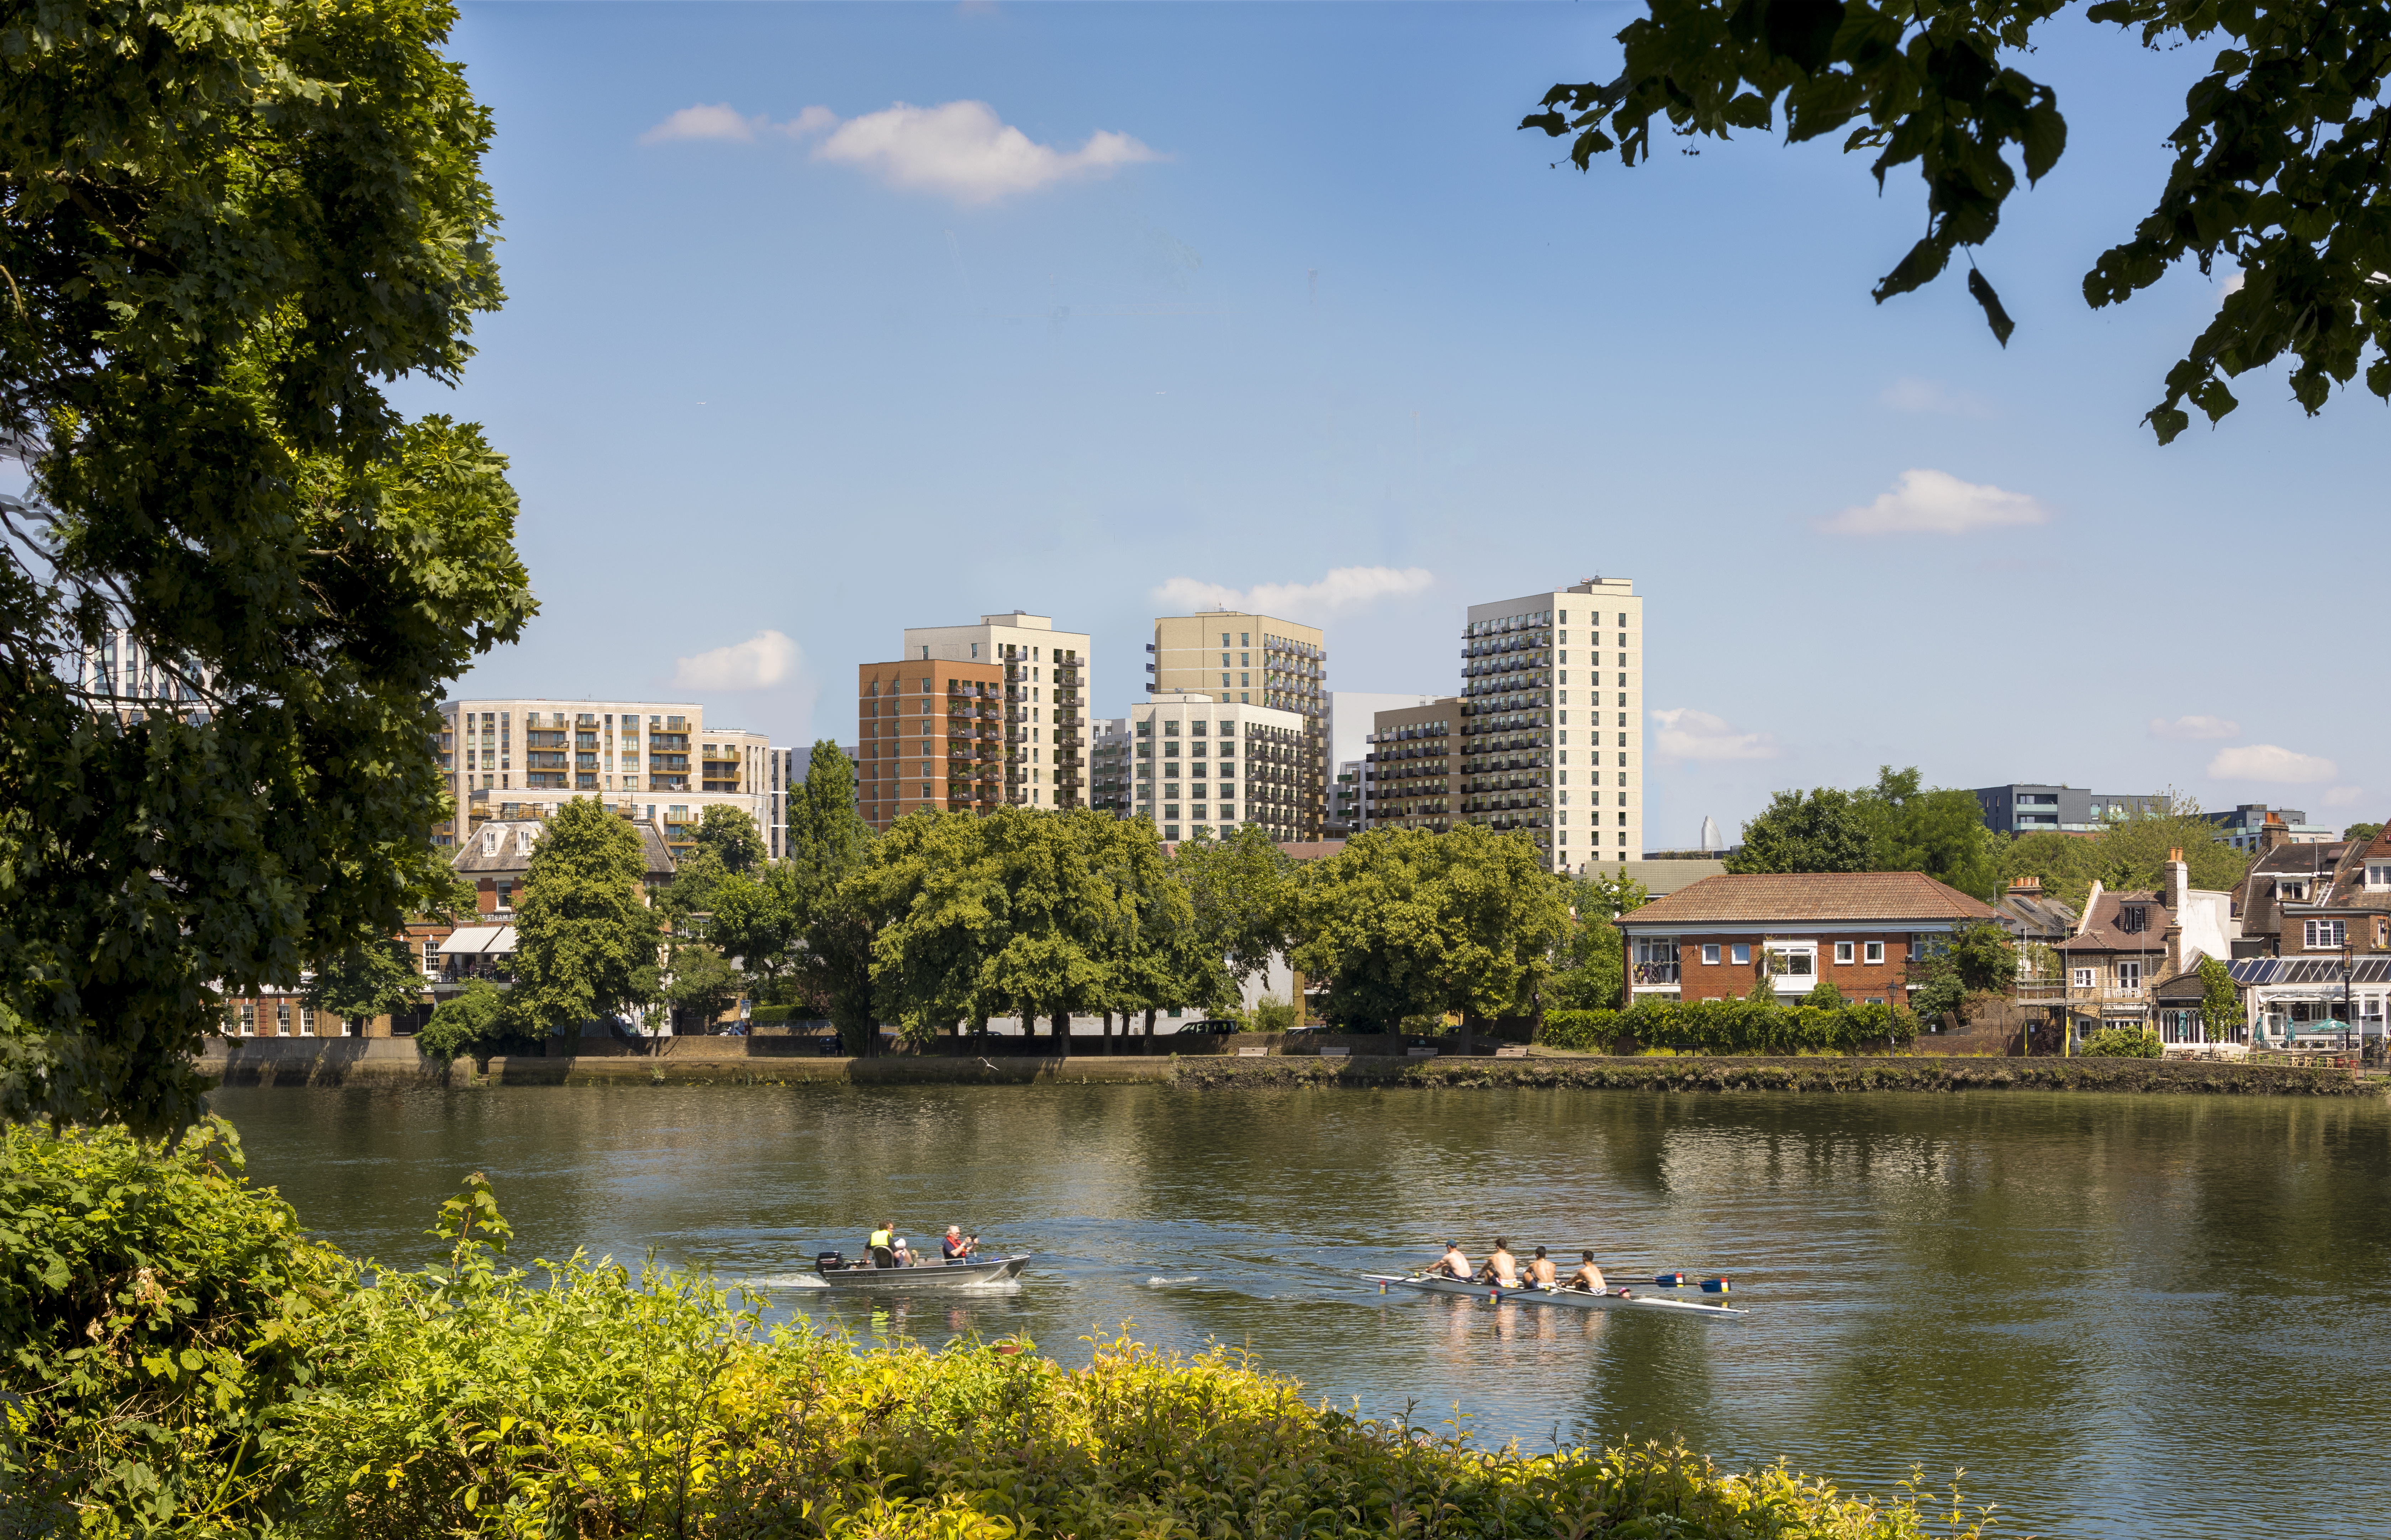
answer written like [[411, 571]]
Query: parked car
[[1207, 1027]]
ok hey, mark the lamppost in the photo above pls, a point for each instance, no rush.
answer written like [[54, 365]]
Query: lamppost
[[2346, 947]]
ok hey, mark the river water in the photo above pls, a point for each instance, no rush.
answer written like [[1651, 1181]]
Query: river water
[[2123, 1315]]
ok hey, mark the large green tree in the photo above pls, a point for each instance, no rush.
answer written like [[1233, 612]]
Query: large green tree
[[224, 223], [370, 979], [1820, 831], [1238, 890], [829, 846], [584, 933], [2128, 853], [2280, 170], [732, 837], [1938, 831], [1589, 962], [1406, 922]]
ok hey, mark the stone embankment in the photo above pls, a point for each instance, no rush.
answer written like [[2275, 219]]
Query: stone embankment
[[393, 1062]]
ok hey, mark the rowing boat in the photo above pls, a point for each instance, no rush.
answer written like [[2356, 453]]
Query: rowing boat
[[1574, 1299], [928, 1275]]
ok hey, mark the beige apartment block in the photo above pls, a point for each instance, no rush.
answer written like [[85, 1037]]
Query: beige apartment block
[[1256, 660], [523, 759], [1047, 687], [1413, 771], [1203, 765], [1552, 705]]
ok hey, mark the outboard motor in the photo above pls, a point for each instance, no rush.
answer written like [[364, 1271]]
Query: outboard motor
[[828, 1261]]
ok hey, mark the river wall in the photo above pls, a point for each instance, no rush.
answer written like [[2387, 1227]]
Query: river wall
[[395, 1062]]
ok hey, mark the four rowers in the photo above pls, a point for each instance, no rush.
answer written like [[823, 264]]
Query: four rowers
[[1503, 1269]]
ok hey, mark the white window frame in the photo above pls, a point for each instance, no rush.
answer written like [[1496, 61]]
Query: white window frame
[[1739, 953], [2129, 973], [1783, 954], [2378, 873], [1710, 954], [2083, 977], [2327, 935], [1844, 952], [1873, 953]]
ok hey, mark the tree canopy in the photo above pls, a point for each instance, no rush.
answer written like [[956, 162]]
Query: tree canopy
[[1895, 825], [731, 837], [226, 226], [2280, 157], [1405, 921], [831, 928], [2130, 854], [584, 935], [1589, 962], [370, 979]]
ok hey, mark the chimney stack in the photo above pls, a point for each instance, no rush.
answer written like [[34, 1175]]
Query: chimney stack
[[2179, 885], [2272, 834]]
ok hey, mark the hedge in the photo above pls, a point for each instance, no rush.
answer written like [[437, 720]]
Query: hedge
[[1732, 1025]]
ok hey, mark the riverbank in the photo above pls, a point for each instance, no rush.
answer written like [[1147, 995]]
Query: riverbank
[[393, 1062]]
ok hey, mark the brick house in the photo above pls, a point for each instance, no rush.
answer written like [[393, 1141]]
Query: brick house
[[1856, 930], [2133, 945], [2315, 937]]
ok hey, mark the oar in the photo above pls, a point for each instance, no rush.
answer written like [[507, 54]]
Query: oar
[[1679, 1280]]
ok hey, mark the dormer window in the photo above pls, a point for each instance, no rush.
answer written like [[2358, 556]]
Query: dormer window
[[2133, 919], [2378, 873], [2292, 892], [522, 842], [489, 842]]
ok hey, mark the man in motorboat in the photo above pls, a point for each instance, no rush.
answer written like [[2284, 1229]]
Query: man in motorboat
[[1588, 1277], [958, 1247], [1541, 1272], [904, 1258], [1502, 1269], [882, 1246], [1453, 1264]]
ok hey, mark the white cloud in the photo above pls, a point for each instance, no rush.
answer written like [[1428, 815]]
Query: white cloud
[[2196, 729], [1686, 734], [1343, 588], [2267, 762], [2343, 796], [1932, 502], [964, 151], [1910, 394], [759, 662], [961, 149], [2230, 288]]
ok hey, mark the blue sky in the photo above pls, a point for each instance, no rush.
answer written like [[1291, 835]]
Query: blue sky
[[1220, 296]]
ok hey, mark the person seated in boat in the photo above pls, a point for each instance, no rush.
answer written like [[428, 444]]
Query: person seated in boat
[[958, 1247], [882, 1246], [1502, 1269], [1454, 1264], [1541, 1272], [1588, 1277], [904, 1257]]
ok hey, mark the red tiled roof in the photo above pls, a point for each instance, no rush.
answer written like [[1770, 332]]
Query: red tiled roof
[[1809, 897]]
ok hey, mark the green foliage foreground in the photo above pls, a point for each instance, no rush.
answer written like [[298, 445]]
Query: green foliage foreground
[[1766, 1028], [181, 1360]]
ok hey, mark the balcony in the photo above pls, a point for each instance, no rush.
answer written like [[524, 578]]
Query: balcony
[[1655, 975]]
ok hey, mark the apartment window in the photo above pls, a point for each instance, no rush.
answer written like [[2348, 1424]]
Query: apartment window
[[2378, 873], [1739, 953], [2083, 978], [2130, 974], [1874, 952], [1843, 951], [1794, 961], [2326, 933], [1710, 954]]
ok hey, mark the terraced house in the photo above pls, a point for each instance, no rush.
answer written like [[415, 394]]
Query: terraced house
[[2316, 919]]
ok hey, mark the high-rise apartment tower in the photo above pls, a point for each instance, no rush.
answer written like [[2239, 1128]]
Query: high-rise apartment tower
[[1047, 687], [1551, 709], [1243, 659]]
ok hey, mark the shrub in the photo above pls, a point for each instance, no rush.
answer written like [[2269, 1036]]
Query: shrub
[[158, 1313], [1272, 1015], [1825, 996], [1749, 1026], [475, 1022], [2122, 1042], [770, 1015], [1595, 1030]]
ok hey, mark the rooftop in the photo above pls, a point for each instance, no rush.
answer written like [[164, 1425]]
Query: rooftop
[[1811, 898]]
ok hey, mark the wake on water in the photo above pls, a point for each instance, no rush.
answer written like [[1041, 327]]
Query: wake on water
[[1175, 1283]]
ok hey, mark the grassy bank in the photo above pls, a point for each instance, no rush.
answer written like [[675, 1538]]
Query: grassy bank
[[184, 1361], [1815, 1075]]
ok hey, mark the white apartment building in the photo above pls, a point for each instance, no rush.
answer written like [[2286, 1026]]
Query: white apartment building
[[1210, 766], [119, 675], [1047, 687], [1551, 710], [523, 759]]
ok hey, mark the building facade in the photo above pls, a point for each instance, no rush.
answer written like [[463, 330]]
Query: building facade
[[2019, 809], [1109, 767], [1204, 765], [119, 675], [2245, 826], [1247, 659], [1047, 729], [1856, 930], [1522, 661], [1414, 765], [652, 761], [931, 736]]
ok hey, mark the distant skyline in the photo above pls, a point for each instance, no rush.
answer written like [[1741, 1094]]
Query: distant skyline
[[828, 320]]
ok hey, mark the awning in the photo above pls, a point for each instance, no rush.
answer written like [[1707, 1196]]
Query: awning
[[479, 942]]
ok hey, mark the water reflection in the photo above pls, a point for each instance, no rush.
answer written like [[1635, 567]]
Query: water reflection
[[2063, 1294]]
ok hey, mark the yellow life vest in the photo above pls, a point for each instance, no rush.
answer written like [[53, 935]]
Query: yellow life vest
[[879, 1238]]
